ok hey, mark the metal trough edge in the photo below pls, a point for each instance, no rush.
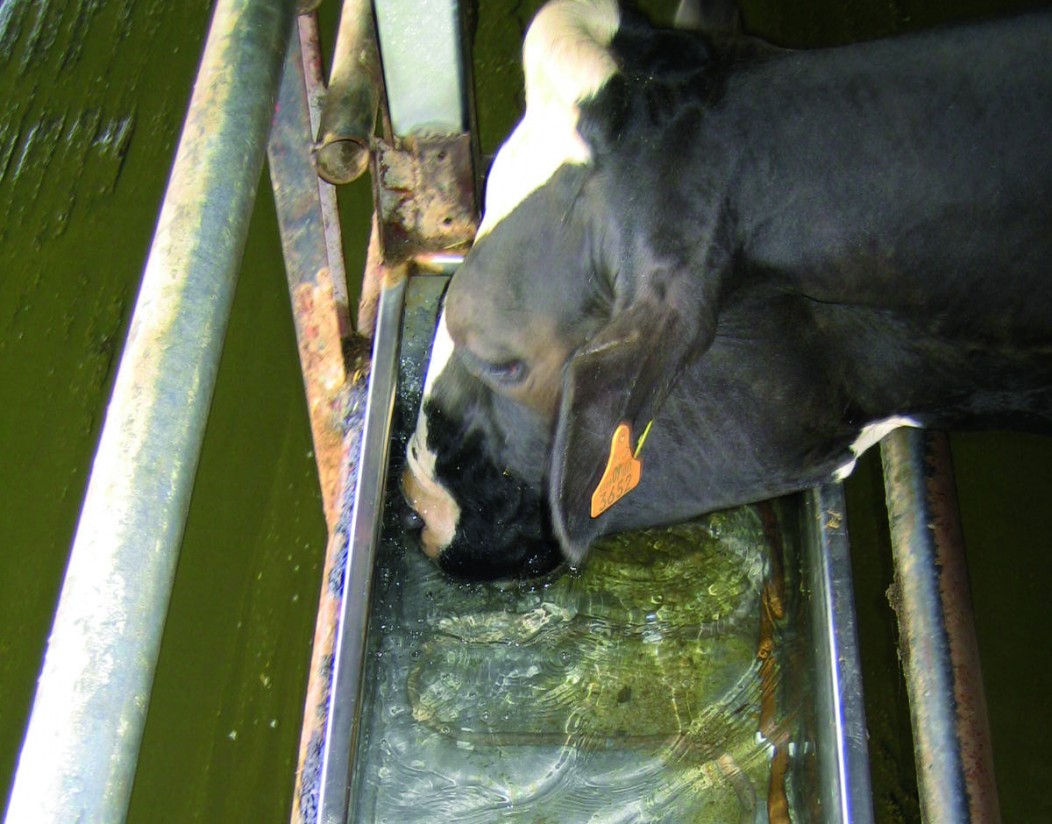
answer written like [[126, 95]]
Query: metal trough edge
[[841, 736], [359, 527]]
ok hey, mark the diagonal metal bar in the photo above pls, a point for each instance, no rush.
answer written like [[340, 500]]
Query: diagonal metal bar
[[310, 240], [79, 755]]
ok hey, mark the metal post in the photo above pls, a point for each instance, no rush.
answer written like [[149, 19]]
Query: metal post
[[348, 115], [422, 53], [937, 640], [79, 755]]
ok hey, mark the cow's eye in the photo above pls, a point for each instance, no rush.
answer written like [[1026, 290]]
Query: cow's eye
[[505, 372]]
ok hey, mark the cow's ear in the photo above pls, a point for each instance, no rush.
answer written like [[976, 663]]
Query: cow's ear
[[612, 389]]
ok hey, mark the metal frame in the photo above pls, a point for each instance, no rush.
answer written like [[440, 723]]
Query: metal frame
[[841, 738], [82, 743], [330, 727], [937, 640]]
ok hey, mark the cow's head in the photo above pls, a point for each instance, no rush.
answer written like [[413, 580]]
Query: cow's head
[[543, 347], [640, 198]]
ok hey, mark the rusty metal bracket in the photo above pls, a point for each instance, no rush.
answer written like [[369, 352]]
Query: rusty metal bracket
[[424, 190]]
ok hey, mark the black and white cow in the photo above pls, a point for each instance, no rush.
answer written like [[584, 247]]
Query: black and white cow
[[708, 275]]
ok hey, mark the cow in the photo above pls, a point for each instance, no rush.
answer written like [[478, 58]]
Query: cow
[[709, 273]]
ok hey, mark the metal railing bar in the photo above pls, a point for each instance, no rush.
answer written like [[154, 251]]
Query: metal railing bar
[[937, 640], [79, 755]]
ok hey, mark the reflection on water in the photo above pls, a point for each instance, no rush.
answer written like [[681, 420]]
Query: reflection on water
[[605, 658], [633, 691]]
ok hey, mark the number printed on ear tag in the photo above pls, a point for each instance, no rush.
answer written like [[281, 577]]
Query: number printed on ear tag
[[622, 473]]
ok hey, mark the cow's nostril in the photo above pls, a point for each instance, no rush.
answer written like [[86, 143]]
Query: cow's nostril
[[411, 519], [542, 561]]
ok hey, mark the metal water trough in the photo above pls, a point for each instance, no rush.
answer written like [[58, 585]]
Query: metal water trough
[[829, 662]]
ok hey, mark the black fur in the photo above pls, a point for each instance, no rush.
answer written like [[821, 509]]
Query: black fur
[[767, 252], [504, 528]]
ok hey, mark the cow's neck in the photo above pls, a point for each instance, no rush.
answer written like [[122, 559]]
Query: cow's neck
[[855, 188]]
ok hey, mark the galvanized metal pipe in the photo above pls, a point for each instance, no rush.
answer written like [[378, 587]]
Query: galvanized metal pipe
[[955, 774], [78, 759], [842, 748], [348, 114]]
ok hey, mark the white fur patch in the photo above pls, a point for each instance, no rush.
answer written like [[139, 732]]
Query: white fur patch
[[428, 496], [566, 60], [441, 352], [871, 435]]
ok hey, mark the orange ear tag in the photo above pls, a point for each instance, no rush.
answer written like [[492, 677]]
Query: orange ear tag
[[622, 473]]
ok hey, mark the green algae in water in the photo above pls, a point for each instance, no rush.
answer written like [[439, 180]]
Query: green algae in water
[[695, 577], [658, 626], [629, 691]]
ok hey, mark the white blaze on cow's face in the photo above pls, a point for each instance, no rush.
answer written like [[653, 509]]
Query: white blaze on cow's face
[[428, 497], [572, 37]]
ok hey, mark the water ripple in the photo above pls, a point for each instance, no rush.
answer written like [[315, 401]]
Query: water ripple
[[631, 692]]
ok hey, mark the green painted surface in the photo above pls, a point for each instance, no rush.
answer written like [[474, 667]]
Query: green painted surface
[[1005, 490], [91, 98]]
